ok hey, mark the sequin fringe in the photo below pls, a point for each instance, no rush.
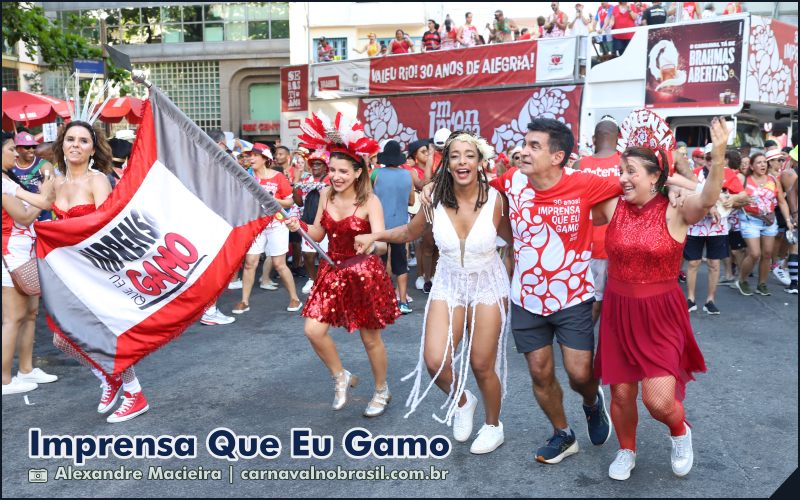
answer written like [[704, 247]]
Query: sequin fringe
[[457, 285]]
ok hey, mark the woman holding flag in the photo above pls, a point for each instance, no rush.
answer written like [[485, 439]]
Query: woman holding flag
[[356, 294], [84, 158]]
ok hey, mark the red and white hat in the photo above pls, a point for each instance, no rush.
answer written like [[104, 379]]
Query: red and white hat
[[320, 155], [261, 149], [774, 154]]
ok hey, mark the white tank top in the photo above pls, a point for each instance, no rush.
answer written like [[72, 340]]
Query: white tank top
[[479, 247]]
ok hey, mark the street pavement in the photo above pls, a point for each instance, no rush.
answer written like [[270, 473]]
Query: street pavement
[[259, 376]]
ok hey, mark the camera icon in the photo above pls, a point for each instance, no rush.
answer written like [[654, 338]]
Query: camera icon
[[37, 475]]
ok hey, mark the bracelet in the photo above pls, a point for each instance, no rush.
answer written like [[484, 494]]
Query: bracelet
[[303, 226]]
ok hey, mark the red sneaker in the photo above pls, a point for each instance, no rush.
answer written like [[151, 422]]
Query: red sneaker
[[132, 406], [111, 390]]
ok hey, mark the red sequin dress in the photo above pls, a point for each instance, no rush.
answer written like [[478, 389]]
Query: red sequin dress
[[356, 294], [644, 327]]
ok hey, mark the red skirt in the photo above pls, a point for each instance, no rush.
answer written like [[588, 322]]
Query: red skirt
[[357, 295], [645, 332]]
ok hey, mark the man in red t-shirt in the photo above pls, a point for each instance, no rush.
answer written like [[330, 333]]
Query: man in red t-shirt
[[553, 289], [622, 16], [605, 163]]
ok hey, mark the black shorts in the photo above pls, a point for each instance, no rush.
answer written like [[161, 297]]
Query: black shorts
[[736, 241], [572, 327], [716, 247], [397, 252], [294, 237], [780, 220]]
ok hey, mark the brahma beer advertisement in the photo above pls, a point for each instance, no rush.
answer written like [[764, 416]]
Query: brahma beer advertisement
[[695, 65]]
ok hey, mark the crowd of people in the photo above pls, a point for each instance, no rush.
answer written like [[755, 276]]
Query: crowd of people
[[599, 25], [468, 214]]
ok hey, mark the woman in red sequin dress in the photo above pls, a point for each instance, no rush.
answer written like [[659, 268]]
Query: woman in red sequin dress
[[645, 333], [84, 160], [357, 294]]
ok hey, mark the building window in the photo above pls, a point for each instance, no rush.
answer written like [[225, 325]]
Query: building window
[[10, 79], [339, 48], [193, 86], [188, 23]]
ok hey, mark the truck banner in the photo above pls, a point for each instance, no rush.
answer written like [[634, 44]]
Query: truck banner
[[508, 64], [501, 117], [772, 62], [695, 65]]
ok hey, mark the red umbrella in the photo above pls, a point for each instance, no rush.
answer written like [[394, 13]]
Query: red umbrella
[[126, 107], [31, 109]]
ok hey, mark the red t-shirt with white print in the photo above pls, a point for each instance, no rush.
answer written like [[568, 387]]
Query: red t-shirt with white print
[[553, 238], [280, 189]]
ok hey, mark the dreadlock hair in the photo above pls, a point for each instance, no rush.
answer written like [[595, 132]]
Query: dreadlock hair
[[654, 162], [361, 185], [443, 185]]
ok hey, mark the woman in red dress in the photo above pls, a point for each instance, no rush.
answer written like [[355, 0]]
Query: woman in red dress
[[357, 294], [645, 333], [84, 157]]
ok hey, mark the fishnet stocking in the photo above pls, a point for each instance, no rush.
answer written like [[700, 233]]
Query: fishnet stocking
[[658, 396], [127, 376], [624, 413]]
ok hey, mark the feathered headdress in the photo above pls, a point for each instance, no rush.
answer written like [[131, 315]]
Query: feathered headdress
[[93, 105], [341, 136]]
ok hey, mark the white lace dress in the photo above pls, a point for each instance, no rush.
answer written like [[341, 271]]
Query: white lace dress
[[465, 278]]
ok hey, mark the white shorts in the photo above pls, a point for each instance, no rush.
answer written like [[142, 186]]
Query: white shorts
[[599, 269], [273, 241], [20, 250], [309, 249]]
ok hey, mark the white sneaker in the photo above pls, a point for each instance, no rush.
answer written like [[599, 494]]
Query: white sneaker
[[462, 423], [37, 376], [18, 386], [308, 286], [620, 469], [215, 317], [420, 283], [782, 275], [489, 438], [682, 454], [235, 285]]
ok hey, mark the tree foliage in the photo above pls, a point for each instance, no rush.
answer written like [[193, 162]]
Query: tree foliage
[[57, 45]]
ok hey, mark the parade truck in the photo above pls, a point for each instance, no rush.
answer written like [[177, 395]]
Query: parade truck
[[491, 90], [740, 66]]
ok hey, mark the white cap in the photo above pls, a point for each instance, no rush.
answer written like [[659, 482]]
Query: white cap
[[708, 148], [440, 137], [126, 135]]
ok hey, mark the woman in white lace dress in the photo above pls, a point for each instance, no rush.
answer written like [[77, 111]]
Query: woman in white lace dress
[[468, 302]]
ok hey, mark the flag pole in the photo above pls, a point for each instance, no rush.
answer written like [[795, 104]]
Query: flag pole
[[266, 199]]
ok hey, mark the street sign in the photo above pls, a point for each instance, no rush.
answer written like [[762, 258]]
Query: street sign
[[89, 67]]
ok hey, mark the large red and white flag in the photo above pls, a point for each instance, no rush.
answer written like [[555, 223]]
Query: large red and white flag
[[125, 280]]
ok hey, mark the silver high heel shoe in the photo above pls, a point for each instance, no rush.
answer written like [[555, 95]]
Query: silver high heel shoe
[[379, 402], [342, 383]]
